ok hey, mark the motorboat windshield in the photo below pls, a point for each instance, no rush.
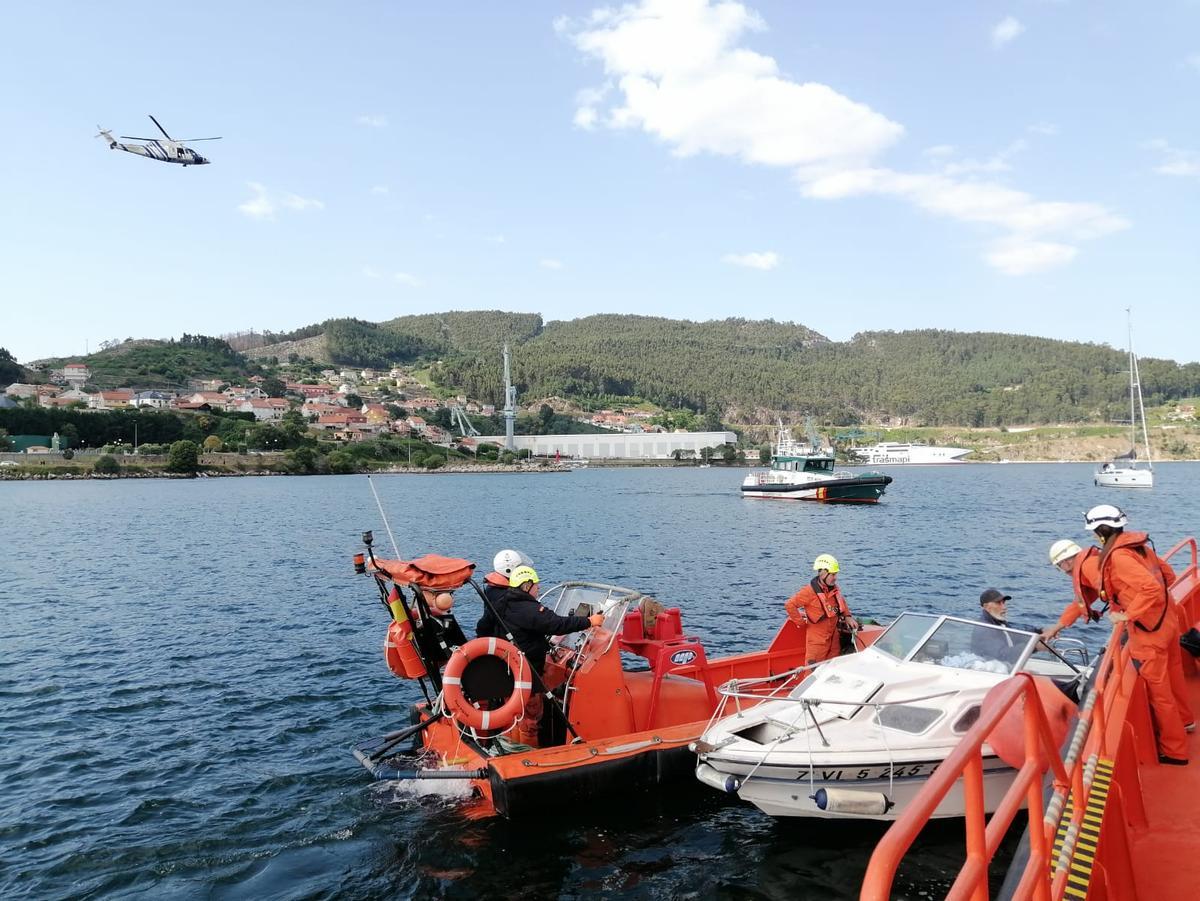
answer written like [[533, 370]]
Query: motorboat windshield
[[587, 599], [956, 643]]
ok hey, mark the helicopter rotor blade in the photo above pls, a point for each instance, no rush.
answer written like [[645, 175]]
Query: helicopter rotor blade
[[160, 128], [190, 140], [132, 138]]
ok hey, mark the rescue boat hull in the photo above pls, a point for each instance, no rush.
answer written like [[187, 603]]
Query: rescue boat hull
[[532, 781], [864, 490]]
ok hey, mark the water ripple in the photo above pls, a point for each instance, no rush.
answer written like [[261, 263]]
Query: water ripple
[[176, 718]]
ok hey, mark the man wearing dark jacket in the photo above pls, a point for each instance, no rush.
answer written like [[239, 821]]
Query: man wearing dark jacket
[[532, 625], [495, 586]]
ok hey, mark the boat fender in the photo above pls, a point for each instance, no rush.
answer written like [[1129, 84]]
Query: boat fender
[[732, 784], [1007, 738], [461, 708], [400, 653], [851, 801]]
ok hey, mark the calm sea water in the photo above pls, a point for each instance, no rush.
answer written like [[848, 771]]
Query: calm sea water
[[183, 666]]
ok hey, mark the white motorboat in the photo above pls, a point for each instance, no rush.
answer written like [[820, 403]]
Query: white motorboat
[[1124, 471], [895, 453], [857, 736], [805, 471]]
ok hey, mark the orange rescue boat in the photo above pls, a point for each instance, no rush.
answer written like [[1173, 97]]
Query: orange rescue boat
[[610, 726]]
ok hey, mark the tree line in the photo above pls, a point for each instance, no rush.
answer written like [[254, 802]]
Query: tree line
[[747, 371]]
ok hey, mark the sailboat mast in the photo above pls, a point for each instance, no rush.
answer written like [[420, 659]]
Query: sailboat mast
[[1132, 381], [1135, 385]]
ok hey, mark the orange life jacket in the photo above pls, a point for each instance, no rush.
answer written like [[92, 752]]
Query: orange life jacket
[[1086, 593], [1140, 553], [830, 602]]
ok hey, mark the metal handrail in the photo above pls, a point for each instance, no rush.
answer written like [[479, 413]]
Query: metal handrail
[[1098, 734]]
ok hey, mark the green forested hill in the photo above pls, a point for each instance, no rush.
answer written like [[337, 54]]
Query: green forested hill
[[467, 332], [163, 364], [745, 371], [740, 370]]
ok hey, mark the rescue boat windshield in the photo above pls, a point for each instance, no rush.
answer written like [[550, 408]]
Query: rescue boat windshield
[[587, 599], [956, 643]]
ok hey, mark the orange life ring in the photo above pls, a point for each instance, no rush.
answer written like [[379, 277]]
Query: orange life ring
[[463, 710]]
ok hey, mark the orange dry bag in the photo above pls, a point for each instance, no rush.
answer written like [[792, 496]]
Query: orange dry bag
[[398, 648]]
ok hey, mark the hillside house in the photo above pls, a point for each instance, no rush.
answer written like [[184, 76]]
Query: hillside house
[[76, 374], [328, 422], [215, 400], [120, 399], [265, 409], [242, 392], [376, 413], [307, 391], [315, 408], [155, 400]]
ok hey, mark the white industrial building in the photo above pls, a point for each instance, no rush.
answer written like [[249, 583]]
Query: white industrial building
[[616, 445]]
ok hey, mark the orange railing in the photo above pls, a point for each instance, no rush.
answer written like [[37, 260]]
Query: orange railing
[[1113, 725]]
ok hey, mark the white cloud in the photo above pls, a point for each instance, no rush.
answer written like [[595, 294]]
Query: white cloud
[[1174, 160], [405, 278], [263, 205], [676, 70], [376, 120], [299, 204], [679, 76], [494, 239], [764, 260], [998, 162], [259, 206], [380, 189], [1024, 257], [972, 201], [586, 103], [1006, 30], [549, 263], [585, 118]]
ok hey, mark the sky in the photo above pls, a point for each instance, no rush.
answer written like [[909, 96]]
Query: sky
[[1028, 166]]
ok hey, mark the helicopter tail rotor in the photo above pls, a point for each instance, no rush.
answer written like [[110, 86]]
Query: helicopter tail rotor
[[107, 135]]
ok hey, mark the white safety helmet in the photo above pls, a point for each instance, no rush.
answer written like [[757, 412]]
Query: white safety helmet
[[1104, 515], [1063, 549], [506, 561]]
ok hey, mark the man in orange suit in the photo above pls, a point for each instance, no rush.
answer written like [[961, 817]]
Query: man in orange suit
[[1127, 574], [821, 607]]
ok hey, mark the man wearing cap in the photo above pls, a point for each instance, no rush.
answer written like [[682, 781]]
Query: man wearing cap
[[532, 625], [992, 643]]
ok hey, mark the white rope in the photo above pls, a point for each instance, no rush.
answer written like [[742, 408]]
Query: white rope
[[385, 519]]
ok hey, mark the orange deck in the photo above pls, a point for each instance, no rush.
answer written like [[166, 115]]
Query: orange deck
[[1166, 852]]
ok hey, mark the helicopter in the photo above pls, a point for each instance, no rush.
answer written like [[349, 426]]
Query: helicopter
[[165, 151]]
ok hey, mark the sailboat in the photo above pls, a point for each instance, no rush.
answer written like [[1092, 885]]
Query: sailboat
[[1124, 471]]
